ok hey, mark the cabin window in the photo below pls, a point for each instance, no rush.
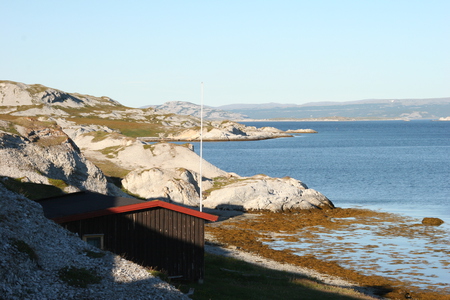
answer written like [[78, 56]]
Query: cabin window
[[94, 240]]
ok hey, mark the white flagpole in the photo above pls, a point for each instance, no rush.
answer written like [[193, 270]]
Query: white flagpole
[[201, 149]]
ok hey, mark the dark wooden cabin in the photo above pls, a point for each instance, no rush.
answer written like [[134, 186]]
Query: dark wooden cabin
[[154, 234]]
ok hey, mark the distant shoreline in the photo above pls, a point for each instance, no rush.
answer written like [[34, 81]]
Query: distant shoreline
[[337, 119]]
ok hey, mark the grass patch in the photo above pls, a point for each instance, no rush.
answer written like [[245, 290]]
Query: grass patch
[[110, 169], [60, 184], [49, 141], [8, 127], [111, 152], [31, 190], [220, 182], [23, 247], [79, 277], [33, 122], [35, 89], [94, 254], [228, 278], [128, 128], [161, 274]]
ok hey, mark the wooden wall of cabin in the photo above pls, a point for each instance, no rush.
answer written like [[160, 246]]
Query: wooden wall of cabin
[[157, 237]]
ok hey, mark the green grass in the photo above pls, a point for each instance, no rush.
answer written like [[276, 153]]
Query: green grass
[[93, 254], [23, 247], [110, 169], [220, 182], [112, 151], [227, 278], [31, 190], [127, 128], [79, 277], [58, 183]]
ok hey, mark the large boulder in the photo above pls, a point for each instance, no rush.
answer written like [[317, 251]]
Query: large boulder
[[266, 193], [173, 185]]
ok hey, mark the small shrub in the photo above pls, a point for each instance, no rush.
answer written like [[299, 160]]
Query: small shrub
[[79, 277], [163, 275], [23, 247]]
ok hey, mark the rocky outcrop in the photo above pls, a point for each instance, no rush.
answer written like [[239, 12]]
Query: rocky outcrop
[[301, 131], [266, 193], [432, 221], [42, 154], [35, 250], [229, 131], [173, 185], [20, 94], [234, 193]]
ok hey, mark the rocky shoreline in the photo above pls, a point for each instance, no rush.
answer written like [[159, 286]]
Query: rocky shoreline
[[242, 236]]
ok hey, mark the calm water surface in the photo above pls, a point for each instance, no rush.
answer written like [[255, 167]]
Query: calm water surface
[[395, 166]]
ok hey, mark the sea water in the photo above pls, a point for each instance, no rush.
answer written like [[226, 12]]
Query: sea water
[[392, 166], [396, 166]]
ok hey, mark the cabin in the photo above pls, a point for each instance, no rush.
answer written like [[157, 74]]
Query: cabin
[[154, 233]]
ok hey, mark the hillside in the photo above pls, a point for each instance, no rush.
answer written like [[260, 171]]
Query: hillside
[[74, 111]]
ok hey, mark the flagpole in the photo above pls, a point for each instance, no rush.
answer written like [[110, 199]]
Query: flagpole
[[201, 149]]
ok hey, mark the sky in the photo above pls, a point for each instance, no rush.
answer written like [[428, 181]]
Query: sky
[[150, 52]]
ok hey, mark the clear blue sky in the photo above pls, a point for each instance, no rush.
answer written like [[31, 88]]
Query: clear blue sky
[[149, 52]]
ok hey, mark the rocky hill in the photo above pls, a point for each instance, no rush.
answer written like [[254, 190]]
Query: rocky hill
[[93, 113]]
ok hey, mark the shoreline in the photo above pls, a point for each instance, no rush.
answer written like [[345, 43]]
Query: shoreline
[[243, 235], [212, 247]]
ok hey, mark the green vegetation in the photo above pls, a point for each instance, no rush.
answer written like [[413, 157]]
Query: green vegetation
[[8, 127], [93, 254], [79, 277], [34, 89], [160, 274], [61, 184], [49, 141], [32, 122], [23, 247], [31, 190], [99, 135], [112, 151], [110, 169], [128, 128], [228, 278], [220, 182]]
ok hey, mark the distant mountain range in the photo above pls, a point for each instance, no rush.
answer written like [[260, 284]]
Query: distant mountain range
[[432, 108]]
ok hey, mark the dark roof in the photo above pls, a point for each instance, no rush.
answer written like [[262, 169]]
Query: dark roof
[[85, 205]]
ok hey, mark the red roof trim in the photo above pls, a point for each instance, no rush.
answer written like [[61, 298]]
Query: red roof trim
[[134, 207]]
